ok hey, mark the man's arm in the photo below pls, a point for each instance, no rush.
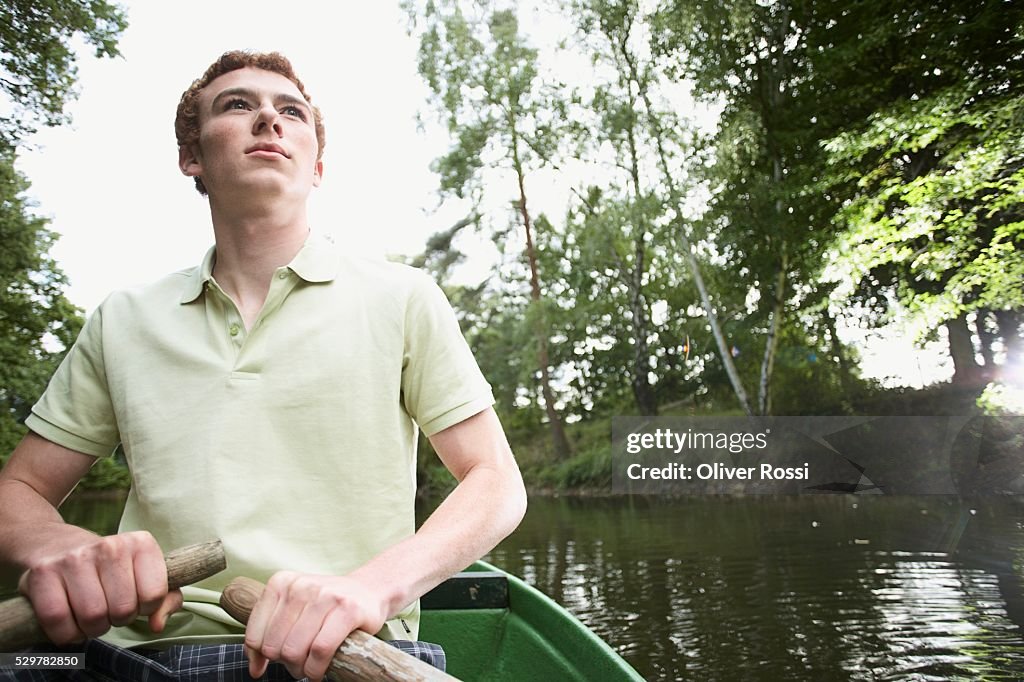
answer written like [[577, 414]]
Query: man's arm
[[78, 582], [302, 619]]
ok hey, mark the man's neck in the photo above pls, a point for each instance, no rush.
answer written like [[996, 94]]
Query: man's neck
[[250, 248]]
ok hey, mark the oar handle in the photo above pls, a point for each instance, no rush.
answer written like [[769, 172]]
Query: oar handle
[[360, 657], [191, 564], [20, 629]]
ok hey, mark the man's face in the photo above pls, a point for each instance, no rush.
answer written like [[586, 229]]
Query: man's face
[[256, 133]]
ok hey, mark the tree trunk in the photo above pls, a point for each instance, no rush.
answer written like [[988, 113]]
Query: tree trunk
[[839, 354], [643, 394], [558, 439], [961, 350], [985, 339], [772, 89], [716, 329], [772, 342], [1009, 331]]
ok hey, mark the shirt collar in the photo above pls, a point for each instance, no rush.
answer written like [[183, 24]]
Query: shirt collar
[[316, 261]]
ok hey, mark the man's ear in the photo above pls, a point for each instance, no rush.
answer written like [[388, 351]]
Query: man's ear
[[318, 173], [189, 161]]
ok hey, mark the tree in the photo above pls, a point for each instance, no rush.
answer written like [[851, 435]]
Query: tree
[[485, 86], [751, 56], [616, 21], [37, 78], [932, 175], [617, 235], [38, 62], [36, 320], [623, 298]]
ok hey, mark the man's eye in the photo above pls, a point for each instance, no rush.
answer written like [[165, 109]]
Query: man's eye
[[294, 111], [236, 104]]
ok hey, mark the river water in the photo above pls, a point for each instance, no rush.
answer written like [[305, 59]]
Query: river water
[[829, 587], [812, 587]]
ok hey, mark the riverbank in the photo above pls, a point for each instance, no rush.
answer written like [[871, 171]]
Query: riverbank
[[588, 471]]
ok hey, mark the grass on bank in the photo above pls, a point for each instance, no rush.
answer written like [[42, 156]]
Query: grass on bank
[[589, 468]]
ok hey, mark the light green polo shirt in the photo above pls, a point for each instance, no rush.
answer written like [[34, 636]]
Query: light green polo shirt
[[294, 442]]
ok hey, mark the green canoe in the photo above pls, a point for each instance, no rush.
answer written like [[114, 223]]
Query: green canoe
[[493, 626]]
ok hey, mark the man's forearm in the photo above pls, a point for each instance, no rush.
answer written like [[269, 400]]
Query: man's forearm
[[78, 582], [485, 507], [31, 528], [33, 483]]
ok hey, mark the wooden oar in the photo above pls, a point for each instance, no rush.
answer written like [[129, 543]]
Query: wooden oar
[[20, 629], [360, 657]]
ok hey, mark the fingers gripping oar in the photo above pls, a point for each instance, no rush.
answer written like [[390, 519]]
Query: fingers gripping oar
[[19, 627], [360, 657]]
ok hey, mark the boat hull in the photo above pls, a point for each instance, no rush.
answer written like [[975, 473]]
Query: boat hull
[[494, 626]]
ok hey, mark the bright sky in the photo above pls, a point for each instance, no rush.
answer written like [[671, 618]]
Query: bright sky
[[110, 181]]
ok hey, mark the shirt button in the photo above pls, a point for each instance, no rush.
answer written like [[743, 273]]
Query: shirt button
[[234, 330], [282, 275]]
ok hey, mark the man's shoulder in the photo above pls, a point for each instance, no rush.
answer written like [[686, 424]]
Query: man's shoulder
[[172, 287], [390, 277]]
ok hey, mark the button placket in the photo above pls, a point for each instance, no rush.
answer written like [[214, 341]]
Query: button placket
[[226, 322], [280, 287], [232, 318], [235, 329]]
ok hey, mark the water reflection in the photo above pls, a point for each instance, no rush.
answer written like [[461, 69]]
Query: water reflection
[[787, 588]]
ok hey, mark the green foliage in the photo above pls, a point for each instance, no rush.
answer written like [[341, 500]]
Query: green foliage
[[37, 78], [485, 88], [918, 190], [589, 468], [609, 270], [107, 474], [810, 379], [36, 321], [926, 160], [38, 61], [629, 300], [865, 153], [768, 231], [999, 399], [942, 202]]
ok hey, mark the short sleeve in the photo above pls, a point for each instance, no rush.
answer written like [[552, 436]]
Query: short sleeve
[[441, 382], [76, 411]]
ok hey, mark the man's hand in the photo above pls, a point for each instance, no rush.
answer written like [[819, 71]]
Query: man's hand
[[79, 583], [83, 591], [302, 619]]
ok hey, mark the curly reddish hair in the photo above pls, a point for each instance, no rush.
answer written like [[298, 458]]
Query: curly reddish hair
[[186, 120]]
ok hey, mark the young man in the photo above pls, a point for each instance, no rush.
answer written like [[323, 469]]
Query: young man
[[270, 398]]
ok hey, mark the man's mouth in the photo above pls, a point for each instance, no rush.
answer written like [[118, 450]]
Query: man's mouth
[[265, 148]]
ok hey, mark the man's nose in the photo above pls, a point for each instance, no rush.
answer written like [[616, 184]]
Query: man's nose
[[267, 117]]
